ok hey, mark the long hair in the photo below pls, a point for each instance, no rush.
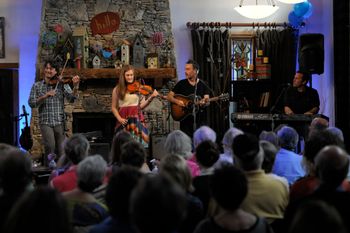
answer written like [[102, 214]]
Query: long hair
[[121, 87]]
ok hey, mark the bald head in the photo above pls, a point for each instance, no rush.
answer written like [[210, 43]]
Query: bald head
[[332, 164]]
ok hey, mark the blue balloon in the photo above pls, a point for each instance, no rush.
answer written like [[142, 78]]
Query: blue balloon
[[300, 9], [294, 21], [309, 12]]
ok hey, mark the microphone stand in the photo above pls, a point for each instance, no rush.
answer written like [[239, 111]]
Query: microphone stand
[[194, 106], [273, 108]]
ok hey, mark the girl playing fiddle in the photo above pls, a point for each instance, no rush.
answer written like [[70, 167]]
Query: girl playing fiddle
[[127, 106]]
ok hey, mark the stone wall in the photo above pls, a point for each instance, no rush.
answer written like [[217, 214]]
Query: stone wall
[[136, 17]]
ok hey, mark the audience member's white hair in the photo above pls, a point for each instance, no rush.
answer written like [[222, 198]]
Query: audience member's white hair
[[178, 143], [227, 140], [203, 133]]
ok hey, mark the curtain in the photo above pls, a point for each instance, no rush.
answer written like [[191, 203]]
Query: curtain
[[211, 51], [280, 46]]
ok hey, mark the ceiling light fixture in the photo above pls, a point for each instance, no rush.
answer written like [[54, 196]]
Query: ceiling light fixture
[[292, 1], [257, 11]]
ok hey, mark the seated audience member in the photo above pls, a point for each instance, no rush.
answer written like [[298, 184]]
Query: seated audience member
[[269, 136], [270, 151], [158, 205], [119, 189], [75, 148], [317, 124], [201, 134], [179, 143], [287, 163], [230, 217], [336, 132], [310, 182], [118, 141], [133, 154], [42, 210], [267, 197], [84, 209], [317, 217], [176, 168], [332, 164], [207, 153], [15, 178], [227, 156]]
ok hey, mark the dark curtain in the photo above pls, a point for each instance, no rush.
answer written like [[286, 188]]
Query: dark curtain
[[341, 21], [280, 46], [211, 51]]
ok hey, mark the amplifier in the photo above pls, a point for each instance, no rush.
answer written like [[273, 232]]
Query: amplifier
[[100, 148]]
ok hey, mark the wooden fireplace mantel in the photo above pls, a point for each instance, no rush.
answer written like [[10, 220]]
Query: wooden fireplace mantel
[[111, 73]]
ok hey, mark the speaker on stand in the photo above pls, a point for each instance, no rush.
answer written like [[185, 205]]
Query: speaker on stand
[[311, 53]]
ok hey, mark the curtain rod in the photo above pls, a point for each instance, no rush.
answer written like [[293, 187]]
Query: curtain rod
[[195, 25]]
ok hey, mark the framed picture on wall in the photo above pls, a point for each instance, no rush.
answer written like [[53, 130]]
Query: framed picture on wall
[[2, 37]]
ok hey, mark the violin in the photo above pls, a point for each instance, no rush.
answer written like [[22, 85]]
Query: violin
[[138, 87], [55, 80]]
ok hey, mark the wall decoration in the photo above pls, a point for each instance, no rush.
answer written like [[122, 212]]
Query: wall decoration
[[105, 23], [81, 44], [2, 37], [138, 52], [152, 61]]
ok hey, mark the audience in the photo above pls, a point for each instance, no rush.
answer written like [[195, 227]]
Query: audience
[[43, 210], [179, 143], [15, 178], [269, 136], [310, 182], [227, 156], [76, 148], [267, 197], [119, 189], [230, 217], [134, 154], [207, 153], [158, 205], [317, 217], [84, 209], [287, 163], [119, 139], [176, 168]]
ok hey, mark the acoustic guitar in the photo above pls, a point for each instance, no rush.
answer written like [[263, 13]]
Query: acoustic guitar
[[25, 139], [179, 113]]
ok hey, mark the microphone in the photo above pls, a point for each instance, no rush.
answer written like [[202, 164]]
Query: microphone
[[24, 111]]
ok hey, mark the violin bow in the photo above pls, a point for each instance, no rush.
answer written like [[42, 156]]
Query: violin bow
[[64, 67]]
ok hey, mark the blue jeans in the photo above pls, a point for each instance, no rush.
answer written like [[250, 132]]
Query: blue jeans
[[52, 138]]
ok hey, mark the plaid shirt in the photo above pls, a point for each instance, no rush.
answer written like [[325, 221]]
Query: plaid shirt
[[51, 109]]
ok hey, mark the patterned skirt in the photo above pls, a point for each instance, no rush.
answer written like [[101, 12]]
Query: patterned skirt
[[135, 126]]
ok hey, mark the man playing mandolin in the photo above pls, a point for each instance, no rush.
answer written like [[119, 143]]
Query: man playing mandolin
[[48, 96], [182, 96]]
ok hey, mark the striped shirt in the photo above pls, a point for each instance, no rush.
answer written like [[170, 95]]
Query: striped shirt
[[51, 109]]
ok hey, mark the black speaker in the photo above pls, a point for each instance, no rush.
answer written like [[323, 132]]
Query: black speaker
[[311, 53], [101, 149]]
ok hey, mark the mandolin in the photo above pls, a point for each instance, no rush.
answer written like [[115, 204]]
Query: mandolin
[[25, 139], [179, 113]]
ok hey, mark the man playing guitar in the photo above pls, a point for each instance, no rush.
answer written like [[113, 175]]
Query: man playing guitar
[[188, 88]]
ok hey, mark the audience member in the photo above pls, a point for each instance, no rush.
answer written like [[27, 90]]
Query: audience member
[[179, 143], [317, 217], [336, 132], [317, 124], [176, 168], [207, 153], [15, 178], [332, 164], [119, 189], [310, 182], [287, 163], [158, 205], [76, 148], [134, 154], [43, 210], [84, 209], [118, 140], [203, 133], [269, 136], [227, 156], [230, 216], [270, 151], [267, 197]]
